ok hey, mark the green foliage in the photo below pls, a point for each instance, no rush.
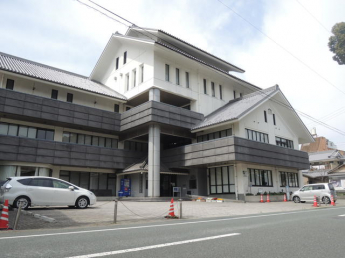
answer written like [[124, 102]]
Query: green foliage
[[336, 43]]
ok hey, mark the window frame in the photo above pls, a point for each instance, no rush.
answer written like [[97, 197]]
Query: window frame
[[167, 73], [187, 79], [9, 84], [205, 87], [213, 89], [125, 57], [220, 92], [69, 97], [55, 94], [177, 75]]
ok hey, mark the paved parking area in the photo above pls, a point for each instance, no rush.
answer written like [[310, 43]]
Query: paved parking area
[[137, 212]]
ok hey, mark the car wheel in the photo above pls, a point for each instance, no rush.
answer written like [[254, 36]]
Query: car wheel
[[296, 199], [326, 200], [23, 201], [82, 202]]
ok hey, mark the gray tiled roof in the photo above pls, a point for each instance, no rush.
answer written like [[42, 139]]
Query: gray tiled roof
[[47, 73], [237, 107], [316, 173], [325, 155]]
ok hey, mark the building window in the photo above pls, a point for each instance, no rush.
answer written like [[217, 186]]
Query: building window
[[26, 131], [215, 135], [234, 94], [142, 73], [187, 79], [136, 146], [274, 119], [284, 143], [177, 76], [54, 94], [240, 95], [127, 81], [125, 57], [116, 108], [256, 136], [222, 180], [128, 108], [288, 178], [84, 139], [69, 97], [220, 92], [205, 86], [9, 84], [259, 177], [213, 89], [134, 73], [265, 115], [167, 72], [192, 182], [117, 63]]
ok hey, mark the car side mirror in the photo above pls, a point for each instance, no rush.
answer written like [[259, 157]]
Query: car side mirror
[[71, 188]]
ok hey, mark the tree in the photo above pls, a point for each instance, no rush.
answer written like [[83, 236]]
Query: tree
[[336, 43]]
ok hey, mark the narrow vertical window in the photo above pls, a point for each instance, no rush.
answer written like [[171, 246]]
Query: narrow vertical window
[[167, 68], [142, 73], [240, 95], [69, 97], [187, 79], [54, 94], [177, 76], [117, 63], [127, 81], [213, 90], [124, 57], [220, 92], [9, 84], [116, 108], [205, 87], [234, 94], [274, 119], [134, 73], [265, 115]]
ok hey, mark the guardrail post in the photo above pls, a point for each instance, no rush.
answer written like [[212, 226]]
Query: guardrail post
[[19, 210], [115, 211]]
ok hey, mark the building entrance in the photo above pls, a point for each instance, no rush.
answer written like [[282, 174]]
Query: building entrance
[[167, 184]]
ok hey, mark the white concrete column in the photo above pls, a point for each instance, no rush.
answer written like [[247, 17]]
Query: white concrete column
[[58, 134], [154, 161], [155, 94], [43, 171], [7, 171]]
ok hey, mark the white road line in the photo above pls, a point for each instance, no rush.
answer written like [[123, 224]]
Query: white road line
[[342, 215], [153, 246], [167, 225]]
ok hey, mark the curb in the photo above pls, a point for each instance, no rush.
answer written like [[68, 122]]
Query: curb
[[38, 216]]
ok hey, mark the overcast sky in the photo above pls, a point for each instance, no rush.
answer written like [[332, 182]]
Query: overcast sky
[[70, 36]]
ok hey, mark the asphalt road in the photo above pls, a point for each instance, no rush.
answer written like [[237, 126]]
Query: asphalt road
[[307, 233]]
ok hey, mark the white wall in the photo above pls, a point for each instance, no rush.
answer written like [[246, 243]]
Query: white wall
[[43, 89]]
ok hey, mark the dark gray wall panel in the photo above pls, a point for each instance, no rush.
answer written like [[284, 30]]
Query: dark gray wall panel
[[58, 153], [24, 106], [230, 149]]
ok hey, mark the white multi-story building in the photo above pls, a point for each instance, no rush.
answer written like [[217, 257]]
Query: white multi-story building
[[156, 110]]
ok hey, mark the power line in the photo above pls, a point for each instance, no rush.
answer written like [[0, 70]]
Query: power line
[[279, 45], [278, 102], [313, 16]]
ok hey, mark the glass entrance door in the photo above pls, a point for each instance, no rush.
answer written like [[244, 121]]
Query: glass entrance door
[[167, 184]]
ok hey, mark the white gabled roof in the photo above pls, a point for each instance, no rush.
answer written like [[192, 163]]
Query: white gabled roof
[[32, 69]]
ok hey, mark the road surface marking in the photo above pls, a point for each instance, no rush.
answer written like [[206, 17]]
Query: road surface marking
[[154, 246], [342, 215], [166, 225]]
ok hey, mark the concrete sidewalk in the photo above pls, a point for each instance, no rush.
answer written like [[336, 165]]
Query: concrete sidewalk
[[138, 212]]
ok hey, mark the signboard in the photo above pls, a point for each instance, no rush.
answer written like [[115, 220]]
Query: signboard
[[176, 189]]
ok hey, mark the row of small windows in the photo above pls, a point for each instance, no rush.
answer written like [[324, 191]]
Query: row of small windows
[[215, 135], [222, 180], [265, 117], [132, 83], [213, 89], [284, 142], [289, 179], [136, 146], [26, 131], [118, 59], [177, 76], [259, 177], [85, 139], [256, 136]]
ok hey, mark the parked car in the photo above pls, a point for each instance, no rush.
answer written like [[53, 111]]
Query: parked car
[[322, 190], [44, 191]]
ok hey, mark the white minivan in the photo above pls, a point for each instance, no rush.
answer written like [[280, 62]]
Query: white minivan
[[44, 191], [322, 190]]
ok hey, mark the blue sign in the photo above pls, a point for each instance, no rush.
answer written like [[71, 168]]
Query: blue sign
[[125, 188]]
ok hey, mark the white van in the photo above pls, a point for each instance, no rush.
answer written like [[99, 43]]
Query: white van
[[322, 190]]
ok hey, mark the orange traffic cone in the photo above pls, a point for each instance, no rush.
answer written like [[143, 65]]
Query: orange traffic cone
[[4, 217], [285, 200], [268, 198], [332, 200], [315, 202], [262, 199], [171, 210]]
